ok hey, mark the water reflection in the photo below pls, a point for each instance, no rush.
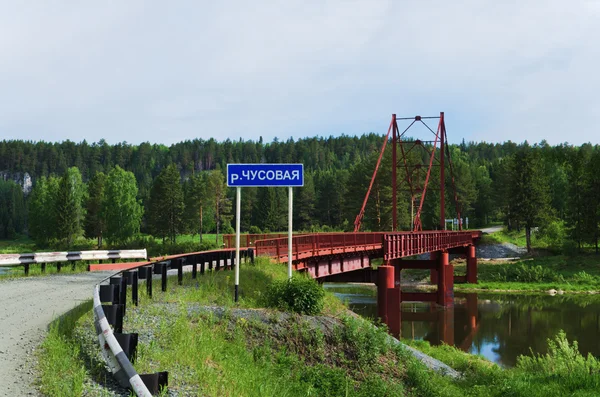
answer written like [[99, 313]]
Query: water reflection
[[499, 327]]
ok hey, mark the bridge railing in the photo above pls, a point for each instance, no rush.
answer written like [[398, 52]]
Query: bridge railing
[[401, 245], [319, 244], [394, 244], [249, 239]]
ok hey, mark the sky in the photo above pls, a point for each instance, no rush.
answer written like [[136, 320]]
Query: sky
[[164, 72]]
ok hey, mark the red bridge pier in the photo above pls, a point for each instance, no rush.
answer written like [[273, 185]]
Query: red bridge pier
[[389, 293]]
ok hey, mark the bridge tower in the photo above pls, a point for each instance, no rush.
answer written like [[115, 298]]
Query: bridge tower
[[415, 159]]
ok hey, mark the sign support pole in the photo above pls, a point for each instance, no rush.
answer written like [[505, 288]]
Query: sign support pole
[[238, 202], [290, 213]]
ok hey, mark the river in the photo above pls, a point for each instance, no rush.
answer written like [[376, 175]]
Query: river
[[499, 327]]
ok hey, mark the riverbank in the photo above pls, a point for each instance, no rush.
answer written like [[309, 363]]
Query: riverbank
[[196, 332], [555, 274]]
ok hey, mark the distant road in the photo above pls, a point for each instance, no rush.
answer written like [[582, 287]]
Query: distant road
[[492, 229], [27, 306]]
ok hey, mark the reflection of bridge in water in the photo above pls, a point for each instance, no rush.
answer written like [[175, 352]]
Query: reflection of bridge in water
[[443, 322]]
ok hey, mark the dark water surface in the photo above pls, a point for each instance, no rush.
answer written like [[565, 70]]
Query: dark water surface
[[499, 327]]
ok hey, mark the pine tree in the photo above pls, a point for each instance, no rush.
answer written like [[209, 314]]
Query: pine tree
[[12, 209], [304, 204], [196, 197], [166, 205], [69, 206], [221, 203], [592, 200], [121, 209], [95, 224], [42, 210], [530, 198]]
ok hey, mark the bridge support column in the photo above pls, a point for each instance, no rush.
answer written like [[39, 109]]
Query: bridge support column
[[385, 282], [445, 291], [471, 265]]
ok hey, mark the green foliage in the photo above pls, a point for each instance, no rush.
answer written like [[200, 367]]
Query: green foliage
[[554, 233], [69, 206], [166, 205], [495, 182], [530, 197], [42, 210], [564, 363], [12, 209], [299, 294], [367, 343], [121, 208], [95, 223], [62, 371], [255, 230], [221, 203]]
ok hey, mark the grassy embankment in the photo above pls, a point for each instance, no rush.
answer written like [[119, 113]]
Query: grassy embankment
[[543, 270], [233, 355]]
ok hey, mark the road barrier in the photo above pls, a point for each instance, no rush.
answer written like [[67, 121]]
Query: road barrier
[[59, 257], [119, 349]]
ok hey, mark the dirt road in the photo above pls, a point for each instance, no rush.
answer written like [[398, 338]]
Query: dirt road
[[27, 306]]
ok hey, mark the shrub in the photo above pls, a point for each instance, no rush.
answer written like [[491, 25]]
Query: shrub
[[553, 234], [254, 230], [569, 248], [300, 295], [530, 274], [584, 277], [564, 362]]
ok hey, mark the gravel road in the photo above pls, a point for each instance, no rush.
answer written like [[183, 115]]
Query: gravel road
[[27, 306]]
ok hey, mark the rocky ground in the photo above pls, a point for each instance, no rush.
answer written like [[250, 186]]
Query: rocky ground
[[498, 251]]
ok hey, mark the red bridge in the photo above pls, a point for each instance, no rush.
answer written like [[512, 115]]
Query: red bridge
[[347, 257]]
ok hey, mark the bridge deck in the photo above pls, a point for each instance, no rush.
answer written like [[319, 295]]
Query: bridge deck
[[388, 245]]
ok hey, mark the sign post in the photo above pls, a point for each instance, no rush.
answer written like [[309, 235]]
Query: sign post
[[263, 175], [290, 214], [238, 201]]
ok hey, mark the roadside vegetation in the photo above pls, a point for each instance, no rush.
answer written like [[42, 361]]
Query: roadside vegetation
[[213, 346]]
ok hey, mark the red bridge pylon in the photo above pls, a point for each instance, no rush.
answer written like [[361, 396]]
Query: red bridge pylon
[[417, 172]]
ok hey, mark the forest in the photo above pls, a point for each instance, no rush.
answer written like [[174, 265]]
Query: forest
[[115, 192]]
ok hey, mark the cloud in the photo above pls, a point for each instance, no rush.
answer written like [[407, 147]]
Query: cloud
[[165, 72]]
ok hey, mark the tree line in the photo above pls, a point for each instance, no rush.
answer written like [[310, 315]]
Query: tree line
[[553, 190]]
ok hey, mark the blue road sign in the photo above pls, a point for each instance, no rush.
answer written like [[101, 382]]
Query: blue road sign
[[264, 175]]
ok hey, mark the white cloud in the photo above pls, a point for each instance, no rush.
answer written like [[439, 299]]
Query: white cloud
[[165, 72]]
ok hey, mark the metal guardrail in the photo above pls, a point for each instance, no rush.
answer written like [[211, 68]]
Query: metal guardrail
[[58, 257], [118, 349]]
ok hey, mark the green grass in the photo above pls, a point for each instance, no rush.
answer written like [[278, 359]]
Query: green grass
[[61, 367], [570, 274], [563, 371], [19, 245], [235, 356], [35, 270]]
